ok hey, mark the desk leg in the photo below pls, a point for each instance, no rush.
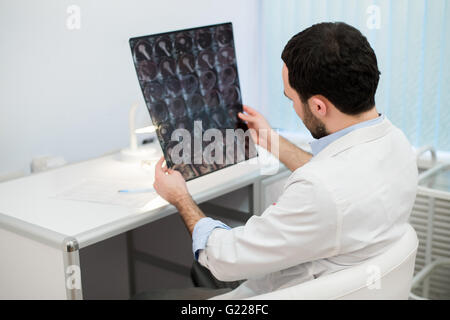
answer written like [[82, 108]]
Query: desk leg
[[72, 269], [131, 267], [255, 198]]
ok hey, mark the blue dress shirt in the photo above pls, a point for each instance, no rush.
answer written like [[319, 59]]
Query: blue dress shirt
[[320, 144], [205, 226], [202, 230]]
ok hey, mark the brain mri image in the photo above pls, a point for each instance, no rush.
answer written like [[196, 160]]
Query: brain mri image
[[188, 76]]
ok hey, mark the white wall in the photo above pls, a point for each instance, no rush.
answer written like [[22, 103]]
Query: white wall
[[67, 92]]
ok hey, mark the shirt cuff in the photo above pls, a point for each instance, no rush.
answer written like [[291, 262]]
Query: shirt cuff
[[202, 231]]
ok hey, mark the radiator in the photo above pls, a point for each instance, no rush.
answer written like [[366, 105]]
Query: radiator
[[430, 218]]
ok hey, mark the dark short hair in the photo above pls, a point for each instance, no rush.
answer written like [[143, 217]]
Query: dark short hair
[[334, 60]]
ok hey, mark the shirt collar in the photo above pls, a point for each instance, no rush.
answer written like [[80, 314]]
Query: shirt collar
[[320, 144]]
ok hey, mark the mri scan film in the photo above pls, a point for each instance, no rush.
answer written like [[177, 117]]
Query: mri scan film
[[189, 80]]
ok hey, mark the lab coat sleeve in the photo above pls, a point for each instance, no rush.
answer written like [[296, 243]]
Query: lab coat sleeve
[[302, 226]]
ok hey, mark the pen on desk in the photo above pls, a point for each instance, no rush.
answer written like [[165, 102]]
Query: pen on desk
[[137, 190]]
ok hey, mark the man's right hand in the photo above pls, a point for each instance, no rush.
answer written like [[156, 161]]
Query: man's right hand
[[292, 156], [261, 131]]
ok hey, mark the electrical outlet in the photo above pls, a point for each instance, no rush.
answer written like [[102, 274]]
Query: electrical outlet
[[39, 164]]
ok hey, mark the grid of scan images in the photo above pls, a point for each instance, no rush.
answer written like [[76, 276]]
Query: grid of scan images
[[187, 76]]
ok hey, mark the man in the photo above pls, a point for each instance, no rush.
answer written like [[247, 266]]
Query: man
[[346, 202]]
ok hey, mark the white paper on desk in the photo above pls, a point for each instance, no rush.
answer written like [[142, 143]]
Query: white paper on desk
[[106, 192]]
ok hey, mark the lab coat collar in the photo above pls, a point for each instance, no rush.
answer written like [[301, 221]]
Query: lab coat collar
[[354, 138], [320, 144]]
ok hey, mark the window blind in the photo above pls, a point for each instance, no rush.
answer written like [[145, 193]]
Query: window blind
[[411, 41]]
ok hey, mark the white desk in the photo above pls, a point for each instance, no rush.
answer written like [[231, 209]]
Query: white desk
[[40, 235]]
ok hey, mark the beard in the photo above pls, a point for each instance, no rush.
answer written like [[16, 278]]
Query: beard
[[314, 125]]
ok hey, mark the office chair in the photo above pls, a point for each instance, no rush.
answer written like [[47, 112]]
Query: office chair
[[393, 279]]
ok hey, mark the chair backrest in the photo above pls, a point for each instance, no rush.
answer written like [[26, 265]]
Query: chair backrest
[[387, 276]]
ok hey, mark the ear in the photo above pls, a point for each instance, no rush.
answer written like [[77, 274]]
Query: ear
[[318, 106]]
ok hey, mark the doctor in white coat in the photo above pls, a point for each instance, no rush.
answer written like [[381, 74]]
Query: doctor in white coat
[[345, 203]]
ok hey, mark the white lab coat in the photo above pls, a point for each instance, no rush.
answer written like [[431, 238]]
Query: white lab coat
[[348, 204]]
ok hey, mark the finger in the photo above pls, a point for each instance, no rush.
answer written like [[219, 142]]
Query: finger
[[158, 167], [250, 110], [164, 167], [160, 161], [175, 172], [246, 117]]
